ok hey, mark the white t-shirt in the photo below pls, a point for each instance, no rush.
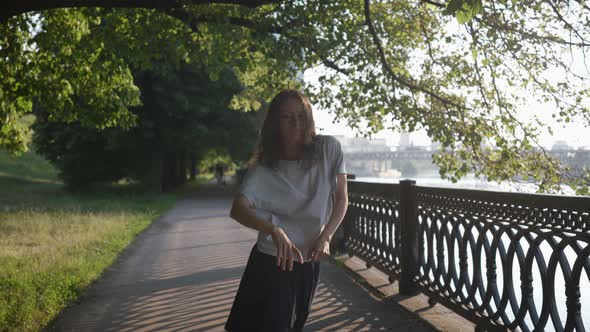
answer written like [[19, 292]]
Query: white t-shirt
[[296, 199]]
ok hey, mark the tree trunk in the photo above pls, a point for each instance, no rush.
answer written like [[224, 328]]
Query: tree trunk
[[167, 171], [193, 165], [182, 166], [152, 178]]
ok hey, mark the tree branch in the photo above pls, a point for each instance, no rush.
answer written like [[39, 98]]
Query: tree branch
[[438, 4], [395, 77], [192, 22], [25, 6]]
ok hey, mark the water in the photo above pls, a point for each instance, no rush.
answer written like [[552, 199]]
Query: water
[[468, 182]]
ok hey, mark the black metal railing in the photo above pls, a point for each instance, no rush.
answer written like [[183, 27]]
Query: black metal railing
[[502, 260]]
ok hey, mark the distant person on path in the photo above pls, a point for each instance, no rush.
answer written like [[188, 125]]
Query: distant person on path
[[294, 194], [219, 174]]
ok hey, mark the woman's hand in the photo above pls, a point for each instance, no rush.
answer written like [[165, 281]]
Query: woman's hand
[[320, 249], [286, 250]]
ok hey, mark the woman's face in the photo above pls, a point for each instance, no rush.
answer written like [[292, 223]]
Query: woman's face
[[292, 120]]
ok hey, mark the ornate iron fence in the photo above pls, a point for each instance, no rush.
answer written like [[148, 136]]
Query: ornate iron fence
[[503, 260]]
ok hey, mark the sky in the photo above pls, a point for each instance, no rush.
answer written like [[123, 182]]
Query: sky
[[575, 134]]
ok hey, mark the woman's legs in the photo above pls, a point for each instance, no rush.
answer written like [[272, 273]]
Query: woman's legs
[[307, 284], [249, 298], [270, 299]]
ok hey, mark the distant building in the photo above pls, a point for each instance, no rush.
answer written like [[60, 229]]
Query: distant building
[[560, 145], [404, 141], [362, 144]]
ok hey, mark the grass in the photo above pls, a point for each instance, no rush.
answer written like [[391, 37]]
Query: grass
[[54, 244]]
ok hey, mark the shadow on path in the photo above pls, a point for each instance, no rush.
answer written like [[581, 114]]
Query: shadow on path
[[183, 272]]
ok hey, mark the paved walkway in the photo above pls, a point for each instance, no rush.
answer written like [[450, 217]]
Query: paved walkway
[[182, 274]]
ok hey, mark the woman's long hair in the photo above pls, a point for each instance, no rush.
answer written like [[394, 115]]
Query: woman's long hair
[[269, 144]]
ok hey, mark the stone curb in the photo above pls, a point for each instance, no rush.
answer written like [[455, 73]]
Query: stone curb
[[438, 317]]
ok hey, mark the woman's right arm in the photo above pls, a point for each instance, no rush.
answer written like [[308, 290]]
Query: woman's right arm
[[287, 252], [245, 215]]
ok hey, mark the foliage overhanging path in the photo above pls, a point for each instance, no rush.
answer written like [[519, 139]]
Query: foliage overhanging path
[[460, 69]]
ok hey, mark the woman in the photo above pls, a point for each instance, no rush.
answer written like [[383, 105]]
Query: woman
[[294, 193]]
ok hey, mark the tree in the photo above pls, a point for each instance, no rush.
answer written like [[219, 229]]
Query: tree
[[183, 112], [400, 59]]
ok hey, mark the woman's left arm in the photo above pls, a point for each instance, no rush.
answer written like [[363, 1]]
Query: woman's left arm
[[322, 246]]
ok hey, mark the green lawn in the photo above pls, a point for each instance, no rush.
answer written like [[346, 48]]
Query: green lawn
[[54, 244]]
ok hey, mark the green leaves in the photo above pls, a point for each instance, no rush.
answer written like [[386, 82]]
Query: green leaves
[[463, 10], [463, 86], [82, 62]]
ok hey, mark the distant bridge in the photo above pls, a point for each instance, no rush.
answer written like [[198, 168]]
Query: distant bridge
[[379, 161], [425, 153]]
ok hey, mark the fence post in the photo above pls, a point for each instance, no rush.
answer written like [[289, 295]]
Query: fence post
[[343, 232], [408, 236]]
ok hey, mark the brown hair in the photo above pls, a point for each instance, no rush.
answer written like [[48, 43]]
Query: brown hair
[[269, 144]]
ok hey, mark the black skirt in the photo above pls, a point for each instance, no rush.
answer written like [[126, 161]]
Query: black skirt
[[270, 299]]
